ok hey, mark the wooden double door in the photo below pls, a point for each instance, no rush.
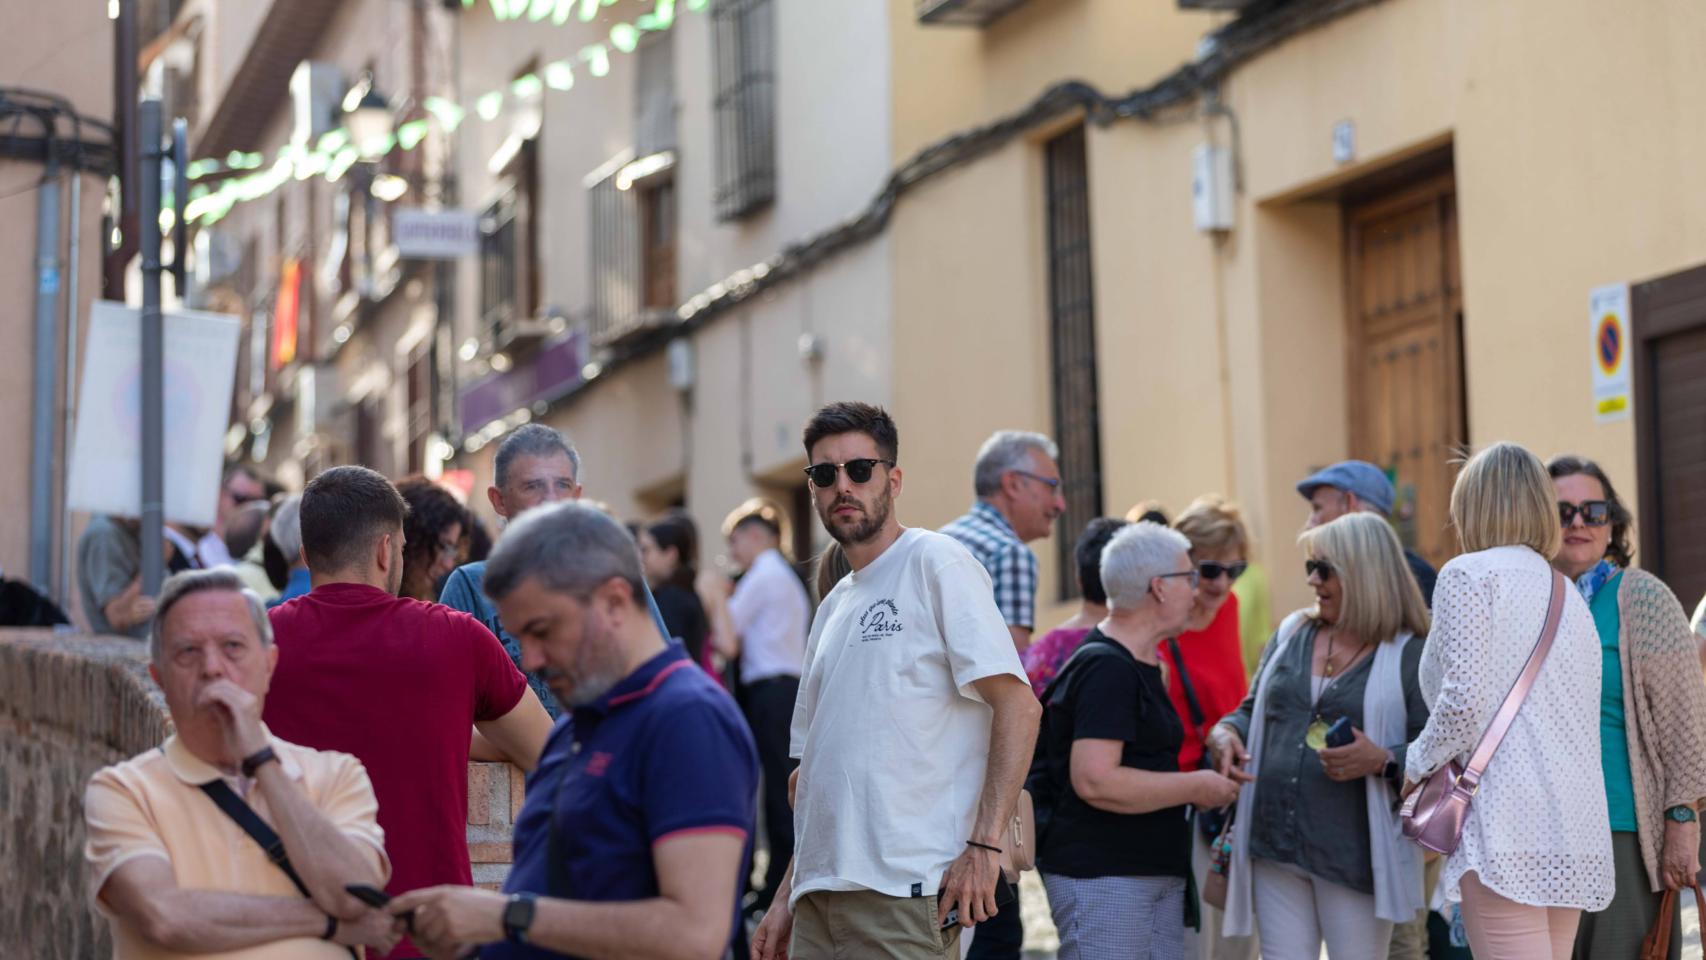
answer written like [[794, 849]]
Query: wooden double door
[[1405, 309]]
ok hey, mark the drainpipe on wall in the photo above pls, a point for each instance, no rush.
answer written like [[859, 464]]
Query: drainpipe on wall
[[44, 382], [69, 417], [153, 350]]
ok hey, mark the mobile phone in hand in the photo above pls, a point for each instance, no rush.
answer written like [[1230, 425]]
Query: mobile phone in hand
[[378, 900], [372, 896], [1340, 733], [1005, 896]]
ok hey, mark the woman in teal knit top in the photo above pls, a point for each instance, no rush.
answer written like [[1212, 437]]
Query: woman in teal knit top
[[1652, 713]]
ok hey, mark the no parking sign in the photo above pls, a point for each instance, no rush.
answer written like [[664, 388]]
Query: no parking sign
[[1608, 318]]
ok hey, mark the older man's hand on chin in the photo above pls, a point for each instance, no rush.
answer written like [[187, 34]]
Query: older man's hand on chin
[[175, 874]]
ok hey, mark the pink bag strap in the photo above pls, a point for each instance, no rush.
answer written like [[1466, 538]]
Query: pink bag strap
[[1483, 755]]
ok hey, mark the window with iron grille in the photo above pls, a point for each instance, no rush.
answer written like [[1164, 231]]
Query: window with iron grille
[[1072, 341], [744, 44], [614, 249], [508, 278]]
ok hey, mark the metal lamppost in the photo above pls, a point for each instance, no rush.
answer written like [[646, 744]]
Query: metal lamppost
[[154, 150]]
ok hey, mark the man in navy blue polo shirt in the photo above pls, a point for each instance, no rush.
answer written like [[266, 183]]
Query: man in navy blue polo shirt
[[636, 827]]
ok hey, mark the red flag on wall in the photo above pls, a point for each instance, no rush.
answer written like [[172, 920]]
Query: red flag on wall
[[284, 315]]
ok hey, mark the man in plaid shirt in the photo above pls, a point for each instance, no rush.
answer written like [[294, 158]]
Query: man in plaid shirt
[[1018, 499]]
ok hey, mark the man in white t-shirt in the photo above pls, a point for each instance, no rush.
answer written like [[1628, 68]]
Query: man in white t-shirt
[[914, 724]]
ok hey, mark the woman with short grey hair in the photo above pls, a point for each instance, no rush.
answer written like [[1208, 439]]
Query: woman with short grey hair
[[1116, 854]]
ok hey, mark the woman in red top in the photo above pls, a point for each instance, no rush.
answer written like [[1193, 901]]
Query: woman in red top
[[1206, 663], [1212, 660]]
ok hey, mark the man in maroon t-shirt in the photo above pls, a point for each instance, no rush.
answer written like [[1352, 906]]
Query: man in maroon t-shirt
[[398, 683]]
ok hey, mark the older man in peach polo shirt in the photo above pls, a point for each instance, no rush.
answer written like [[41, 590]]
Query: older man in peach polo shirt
[[174, 874]]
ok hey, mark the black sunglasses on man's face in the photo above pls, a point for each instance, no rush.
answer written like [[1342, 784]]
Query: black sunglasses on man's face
[[858, 471]]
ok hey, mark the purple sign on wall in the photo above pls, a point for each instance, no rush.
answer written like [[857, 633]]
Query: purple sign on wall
[[551, 372]]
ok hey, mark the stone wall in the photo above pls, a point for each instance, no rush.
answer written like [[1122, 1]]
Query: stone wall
[[71, 704]]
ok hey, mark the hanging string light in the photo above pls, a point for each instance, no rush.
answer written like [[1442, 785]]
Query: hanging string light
[[335, 152]]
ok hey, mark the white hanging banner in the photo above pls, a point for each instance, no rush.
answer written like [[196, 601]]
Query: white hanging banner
[[106, 455]]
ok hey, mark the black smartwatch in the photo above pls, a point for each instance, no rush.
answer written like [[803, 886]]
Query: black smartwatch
[[258, 759], [518, 916]]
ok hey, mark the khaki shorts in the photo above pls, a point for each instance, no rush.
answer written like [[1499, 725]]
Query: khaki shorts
[[854, 925]]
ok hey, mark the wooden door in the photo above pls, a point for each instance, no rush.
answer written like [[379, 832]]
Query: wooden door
[[1669, 367], [1406, 371]]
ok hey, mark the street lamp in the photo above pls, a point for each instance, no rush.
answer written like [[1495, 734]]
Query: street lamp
[[369, 118]]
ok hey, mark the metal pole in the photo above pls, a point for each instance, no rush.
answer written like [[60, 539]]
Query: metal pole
[[46, 360], [153, 350], [180, 200], [125, 45], [66, 552]]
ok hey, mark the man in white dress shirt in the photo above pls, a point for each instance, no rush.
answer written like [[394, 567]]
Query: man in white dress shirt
[[764, 621], [914, 725]]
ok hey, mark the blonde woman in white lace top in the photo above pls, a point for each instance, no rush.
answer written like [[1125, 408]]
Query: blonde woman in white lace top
[[1534, 852]]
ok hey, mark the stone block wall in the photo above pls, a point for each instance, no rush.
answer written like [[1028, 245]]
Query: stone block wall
[[494, 802], [71, 704]]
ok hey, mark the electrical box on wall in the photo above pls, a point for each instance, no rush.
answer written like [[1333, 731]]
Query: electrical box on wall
[[1211, 187], [680, 357]]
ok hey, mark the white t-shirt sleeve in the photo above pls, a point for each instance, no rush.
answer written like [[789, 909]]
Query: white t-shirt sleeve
[[978, 642], [804, 701]]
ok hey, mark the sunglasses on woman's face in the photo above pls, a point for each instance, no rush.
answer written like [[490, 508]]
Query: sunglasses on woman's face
[[1318, 568], [1212, 570], [1594, 513], [858, 471]]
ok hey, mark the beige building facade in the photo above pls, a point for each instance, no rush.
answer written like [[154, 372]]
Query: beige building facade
[[1425, 288], [766, 121], [65, 55], [1209, 251], [1418, 199]]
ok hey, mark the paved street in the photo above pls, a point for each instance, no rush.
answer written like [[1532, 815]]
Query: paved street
[[1041, 941]]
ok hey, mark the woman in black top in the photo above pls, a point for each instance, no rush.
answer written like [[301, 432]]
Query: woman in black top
[[669, 551], [1116, 851]]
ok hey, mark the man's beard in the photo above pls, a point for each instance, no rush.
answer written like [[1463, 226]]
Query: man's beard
[[593, 674], [871, 523]]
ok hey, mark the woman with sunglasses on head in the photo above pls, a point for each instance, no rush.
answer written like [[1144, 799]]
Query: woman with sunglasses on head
[[1652, 712], [1316, 850]]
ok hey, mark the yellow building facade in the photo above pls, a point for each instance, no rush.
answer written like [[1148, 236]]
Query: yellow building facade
[[1409, 205], [1427, 286]]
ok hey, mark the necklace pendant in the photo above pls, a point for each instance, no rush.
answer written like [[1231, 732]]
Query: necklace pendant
[[1316, 737]]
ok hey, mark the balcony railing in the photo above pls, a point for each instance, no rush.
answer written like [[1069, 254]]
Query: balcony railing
[[963, 13]]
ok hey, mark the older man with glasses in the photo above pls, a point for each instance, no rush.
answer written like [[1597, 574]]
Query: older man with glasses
[[1017, 483], [176, 835]]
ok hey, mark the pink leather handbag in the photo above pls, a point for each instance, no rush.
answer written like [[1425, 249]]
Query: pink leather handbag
[[1434, 813]]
